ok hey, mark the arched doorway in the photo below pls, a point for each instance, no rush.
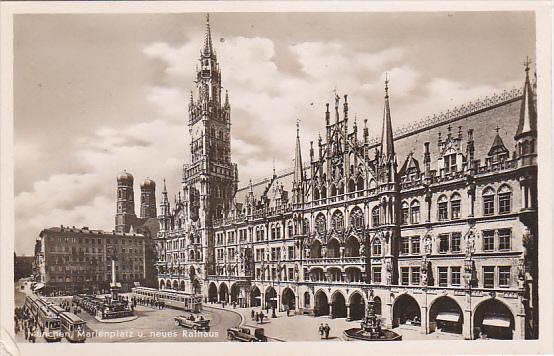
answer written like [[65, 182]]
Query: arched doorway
[[255, 297], [321, 306], [446, 315], [182, 285], [339, 305], [223, 292], [271, 297], [175, 285], [235, 290], [377, 306], [212, 292], [406, 311], [357, 306], [288, 299], [493, 320], [162, 284]]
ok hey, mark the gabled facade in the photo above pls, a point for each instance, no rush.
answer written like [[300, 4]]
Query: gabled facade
[[449, 243]]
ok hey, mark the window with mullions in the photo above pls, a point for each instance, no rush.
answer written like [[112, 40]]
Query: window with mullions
[[415, 245], [455, 205], [443, 243], [405, 245], [455, 276], [488, 277], [376, 248], [375, 216], [405, 275], [504, 200], [405, 213], [504, 276], [456, 242], [504, 239], [415, 274], [488, 240], [450, 163], [443, 276], [414, 212], [357, 218], [443, 208], [376, 275], [321, 225], [488, 201]]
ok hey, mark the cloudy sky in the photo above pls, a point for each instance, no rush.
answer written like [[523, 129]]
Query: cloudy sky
[[96, 94]]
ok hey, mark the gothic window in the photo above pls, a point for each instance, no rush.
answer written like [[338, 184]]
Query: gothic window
[[290, 231], [306, 227], [360, 183], [333, 190], [376, 248], [351, 186], [405, 212], [316, 194], [455, 205], [337, 220], [321, 225], [372, 184], [504, 199], [415, 212], [443, 207], [323, 192], [375, 219], [341, 189], [273, 232], [488, 201], [357, 218]]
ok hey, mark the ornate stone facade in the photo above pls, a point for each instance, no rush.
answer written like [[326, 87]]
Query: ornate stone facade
[[448, 243]]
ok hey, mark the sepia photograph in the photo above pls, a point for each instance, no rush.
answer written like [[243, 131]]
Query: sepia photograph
[[217, 174]]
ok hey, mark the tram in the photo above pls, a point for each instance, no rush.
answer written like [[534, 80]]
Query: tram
[[171, 298], [48, 322], [72, 326]]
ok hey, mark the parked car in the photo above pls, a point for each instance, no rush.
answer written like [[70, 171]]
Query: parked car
[[193, 322], [246, 333]]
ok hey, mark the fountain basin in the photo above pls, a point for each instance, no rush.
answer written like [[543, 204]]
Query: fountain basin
[[360, 334]]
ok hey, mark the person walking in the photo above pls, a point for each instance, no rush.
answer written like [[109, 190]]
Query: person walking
[[261, 317], [257, 317], [288, 311], [321, 330], [327, 330], [252, 314]]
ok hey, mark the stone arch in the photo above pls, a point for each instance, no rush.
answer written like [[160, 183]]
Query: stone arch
[[357, 306], [288, 299], [323, 192], [352, 247], [162, 284], [377, 306], [339, 305], [182, 285], [321, 303], [333, 248], [357, 218], [315, 249], [405, 310], [445, 314], [175, 285], [223, 292], [317, 274], [168, 284], [360, 183], [353, 274], [255, 297], [271, 297], [351, 186], [493, 319]]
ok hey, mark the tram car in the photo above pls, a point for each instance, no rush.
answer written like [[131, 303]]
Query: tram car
[[48, 322], [73, 327], [171, 298]]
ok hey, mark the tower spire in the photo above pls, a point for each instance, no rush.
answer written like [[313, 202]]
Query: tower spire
[[387, 144], [208, 48], [528, 113], [298, 171]]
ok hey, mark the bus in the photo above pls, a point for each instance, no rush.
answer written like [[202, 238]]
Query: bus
[[172, 298], [73, 327]]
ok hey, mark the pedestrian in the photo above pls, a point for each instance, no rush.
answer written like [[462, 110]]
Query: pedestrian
[[321, 330], [252, 314], [327, 330], [26, 332], [288, 310], [261, 317]]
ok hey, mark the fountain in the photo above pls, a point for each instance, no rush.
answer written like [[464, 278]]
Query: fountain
[[371, 329]]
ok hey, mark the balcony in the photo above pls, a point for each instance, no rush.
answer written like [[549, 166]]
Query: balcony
[[335, 261]]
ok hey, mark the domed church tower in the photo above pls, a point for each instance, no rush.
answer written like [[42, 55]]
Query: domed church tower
[[125, 214], [148, 199]]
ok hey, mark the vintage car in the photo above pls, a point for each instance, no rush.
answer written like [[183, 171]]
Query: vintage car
[[246, 333], [193, 322]]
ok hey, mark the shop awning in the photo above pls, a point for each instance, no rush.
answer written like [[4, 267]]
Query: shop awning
[[449, 316], [499, 321], [38, 286]]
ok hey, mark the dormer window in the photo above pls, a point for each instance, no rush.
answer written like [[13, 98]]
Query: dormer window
[[450, 163]]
